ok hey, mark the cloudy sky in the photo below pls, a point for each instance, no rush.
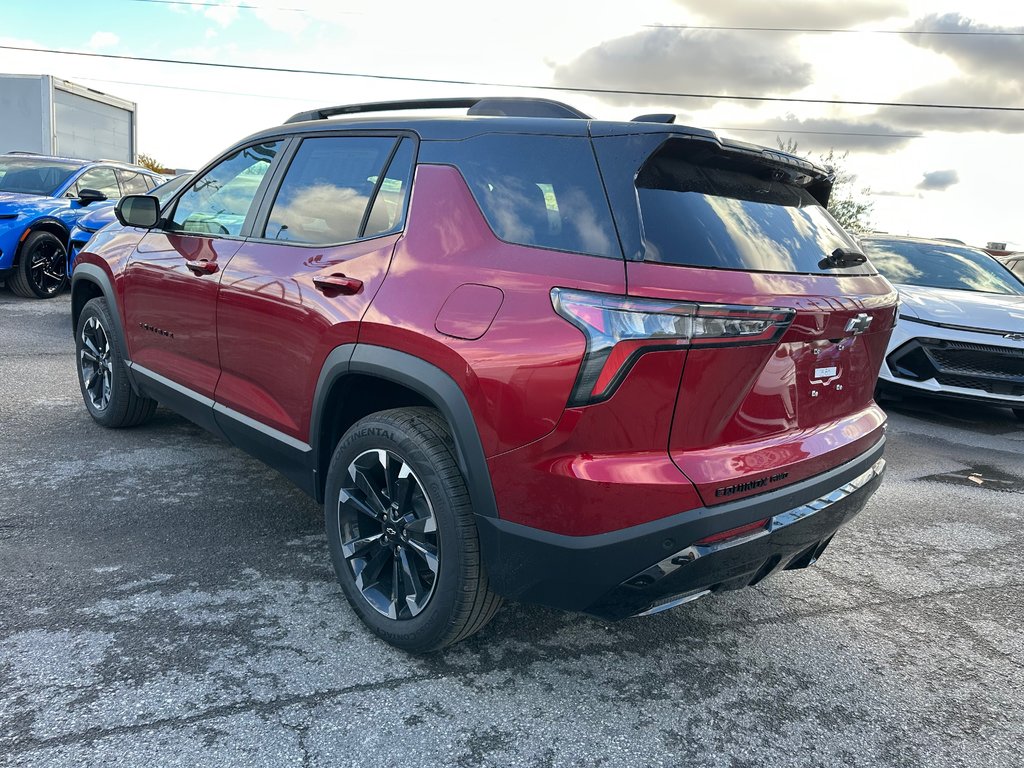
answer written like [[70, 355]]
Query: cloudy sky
[[930, 171]]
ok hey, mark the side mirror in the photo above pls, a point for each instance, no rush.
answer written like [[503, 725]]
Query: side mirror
[[138, 211], [86, 196]]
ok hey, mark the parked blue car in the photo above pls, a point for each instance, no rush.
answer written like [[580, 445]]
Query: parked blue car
[[41, 199], [102, 214]]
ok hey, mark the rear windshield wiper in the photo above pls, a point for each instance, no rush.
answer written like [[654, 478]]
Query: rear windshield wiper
[[841, 257]]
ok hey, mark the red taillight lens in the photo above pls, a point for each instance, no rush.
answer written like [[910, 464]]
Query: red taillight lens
[[732, 533], [620, 329]]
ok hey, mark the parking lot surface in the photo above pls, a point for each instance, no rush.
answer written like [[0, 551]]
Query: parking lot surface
[[167, 601]]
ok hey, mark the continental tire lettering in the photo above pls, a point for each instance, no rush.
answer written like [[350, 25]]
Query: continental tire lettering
[[750, 485], [370, 432]]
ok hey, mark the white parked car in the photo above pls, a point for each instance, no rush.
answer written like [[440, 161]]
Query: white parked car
[[961, 322]]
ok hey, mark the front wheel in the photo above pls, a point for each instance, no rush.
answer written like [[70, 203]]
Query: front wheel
[[42, 267], [107, 393], [401, 533]]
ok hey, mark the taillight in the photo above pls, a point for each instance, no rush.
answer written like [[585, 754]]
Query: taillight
[[620, 329]]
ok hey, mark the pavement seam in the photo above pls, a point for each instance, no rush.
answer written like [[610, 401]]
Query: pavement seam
[[90, 735]]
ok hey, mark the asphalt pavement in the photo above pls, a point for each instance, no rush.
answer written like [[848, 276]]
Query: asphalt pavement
[[167, 601]]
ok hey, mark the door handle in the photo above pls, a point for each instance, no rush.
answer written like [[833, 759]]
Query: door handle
[[337, 284], [202, 266]]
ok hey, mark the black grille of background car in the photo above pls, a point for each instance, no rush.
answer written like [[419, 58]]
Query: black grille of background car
[[992, 369]]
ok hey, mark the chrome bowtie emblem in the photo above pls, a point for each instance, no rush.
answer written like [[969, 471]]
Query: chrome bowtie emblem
[[858, 324], [1014, 336]]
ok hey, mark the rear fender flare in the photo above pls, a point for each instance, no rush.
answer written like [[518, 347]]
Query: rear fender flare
[[427, 380]]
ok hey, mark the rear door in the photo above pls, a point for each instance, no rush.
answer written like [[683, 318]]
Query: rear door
[[173, 277], [300, 286], [742, 238]]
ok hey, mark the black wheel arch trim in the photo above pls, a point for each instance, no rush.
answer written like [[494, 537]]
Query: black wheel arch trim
[[90, 273], [425, 379]]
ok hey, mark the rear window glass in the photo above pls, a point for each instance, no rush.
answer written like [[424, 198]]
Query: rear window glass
[[542, 191], [704, 209], [941, 266]]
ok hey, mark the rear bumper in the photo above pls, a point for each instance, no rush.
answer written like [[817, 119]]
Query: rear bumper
[[656, 565]]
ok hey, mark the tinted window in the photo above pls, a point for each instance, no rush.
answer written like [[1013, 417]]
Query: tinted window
[[327, 189], [541, 190], [388, 211], [704, 209], [218, 202], [133, 183], [100, 179], [940, 266], [29, 176]]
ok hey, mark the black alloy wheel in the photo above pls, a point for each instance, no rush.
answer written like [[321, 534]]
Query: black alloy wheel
[[388, 534], [102, 372], [402, 533], [42, 267], [94, 363]]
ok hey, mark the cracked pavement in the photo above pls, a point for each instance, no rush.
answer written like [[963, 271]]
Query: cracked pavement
[[166, 600]]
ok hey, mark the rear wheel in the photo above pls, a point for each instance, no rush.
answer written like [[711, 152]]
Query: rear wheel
[[107, 393], [42, 267], [401, 532]]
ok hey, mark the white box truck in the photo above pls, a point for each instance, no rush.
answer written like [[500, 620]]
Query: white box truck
[[49, 116]]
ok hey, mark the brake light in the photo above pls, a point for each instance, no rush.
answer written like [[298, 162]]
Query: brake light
[[619, 329]]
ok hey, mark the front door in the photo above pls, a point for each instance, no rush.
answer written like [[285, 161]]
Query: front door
[[174, 275]]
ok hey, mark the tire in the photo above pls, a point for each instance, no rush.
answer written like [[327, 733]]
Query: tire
[[102, 377], [1019, 413], [42, 270], [401, 533]]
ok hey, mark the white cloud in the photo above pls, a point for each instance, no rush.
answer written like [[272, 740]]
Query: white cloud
[[103, 40]]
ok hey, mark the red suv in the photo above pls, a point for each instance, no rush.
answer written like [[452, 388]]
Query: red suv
[[603, 366]]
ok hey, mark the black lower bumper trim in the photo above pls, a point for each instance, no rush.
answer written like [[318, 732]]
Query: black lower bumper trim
[[623, 573]]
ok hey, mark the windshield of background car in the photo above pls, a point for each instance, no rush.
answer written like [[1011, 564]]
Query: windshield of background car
[[218, 202], [32, 176], [703, 208], [934, 265]]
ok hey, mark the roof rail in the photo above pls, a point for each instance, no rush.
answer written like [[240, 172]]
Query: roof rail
[[506, 106]]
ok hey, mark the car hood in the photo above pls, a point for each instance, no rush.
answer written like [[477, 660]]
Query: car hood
[[968, 309], [14, 202]]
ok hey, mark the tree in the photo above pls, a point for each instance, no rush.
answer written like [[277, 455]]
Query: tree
[[847, 204], [150, 162]]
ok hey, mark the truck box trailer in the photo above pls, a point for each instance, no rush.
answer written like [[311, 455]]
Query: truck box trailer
[[46, 115]]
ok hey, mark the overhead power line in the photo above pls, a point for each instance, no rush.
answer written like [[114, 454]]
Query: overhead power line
[[779, 129], [486, 84], [823, 30], [961, 32]]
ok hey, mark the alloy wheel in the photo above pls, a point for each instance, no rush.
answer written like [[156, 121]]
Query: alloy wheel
[[94, 361], [388, 534], [47, 267]]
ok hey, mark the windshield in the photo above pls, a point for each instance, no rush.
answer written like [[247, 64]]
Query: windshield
[[165, 191], [33, 175], [937, 265]]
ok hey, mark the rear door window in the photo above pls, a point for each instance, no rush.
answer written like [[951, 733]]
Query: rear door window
[[327, 191], [704, 209], [542, 191], [133, 183]]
